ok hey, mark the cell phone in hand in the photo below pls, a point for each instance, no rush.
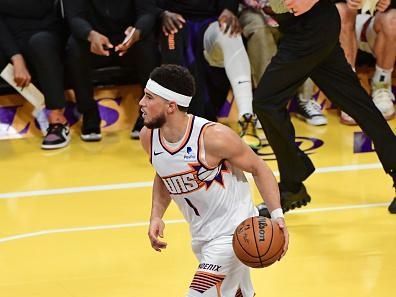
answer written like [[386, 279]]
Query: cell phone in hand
[[128, 37]]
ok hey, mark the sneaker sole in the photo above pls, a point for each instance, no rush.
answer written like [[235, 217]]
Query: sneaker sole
[[296, 204], [90, 138], [389, 117], [55, 146], [348, 123], [134, 135], [309, 121]]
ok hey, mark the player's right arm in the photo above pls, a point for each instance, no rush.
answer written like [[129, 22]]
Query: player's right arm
[[160, 201]]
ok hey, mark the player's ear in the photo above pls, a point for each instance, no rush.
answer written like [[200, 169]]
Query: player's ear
[[172, 107]]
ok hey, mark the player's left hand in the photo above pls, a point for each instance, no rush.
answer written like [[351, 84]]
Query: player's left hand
[[229, 23], [382, 5], [132, 35], [298, 7], [282, 225]]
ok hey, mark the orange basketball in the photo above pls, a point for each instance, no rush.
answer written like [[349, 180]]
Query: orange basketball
[[258, 242]]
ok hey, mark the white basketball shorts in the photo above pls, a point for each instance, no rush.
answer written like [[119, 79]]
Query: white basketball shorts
[[219, 273], [365, 32]]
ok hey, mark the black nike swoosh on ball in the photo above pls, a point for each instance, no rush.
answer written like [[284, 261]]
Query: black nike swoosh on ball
[[157, 153]]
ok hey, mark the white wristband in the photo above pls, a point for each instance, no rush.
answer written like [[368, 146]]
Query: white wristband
[[277, 213]]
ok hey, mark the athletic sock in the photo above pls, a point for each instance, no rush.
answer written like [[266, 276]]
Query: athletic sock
[[237, 67], [382, 78], [306, 91]]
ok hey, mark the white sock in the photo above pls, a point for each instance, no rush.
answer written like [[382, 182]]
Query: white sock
[[382, 78], [237, 67], [305, 93]]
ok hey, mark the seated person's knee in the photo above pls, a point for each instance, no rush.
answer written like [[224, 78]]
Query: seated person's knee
[[387, 22], [347, 15]]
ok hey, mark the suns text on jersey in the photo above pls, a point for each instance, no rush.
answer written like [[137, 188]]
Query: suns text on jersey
[[182, 184]]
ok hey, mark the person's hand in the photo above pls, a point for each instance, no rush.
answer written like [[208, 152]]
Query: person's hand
[[100, 44], [132, 35], [298, 7], [382, 5], [354, 4], [171, 22], [282, 226], [229, 23], [256, 4], [22, 76], [156, 229]]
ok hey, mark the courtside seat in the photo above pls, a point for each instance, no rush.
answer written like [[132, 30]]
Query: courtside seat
[[5, 88], [102, 77], [115, 75]]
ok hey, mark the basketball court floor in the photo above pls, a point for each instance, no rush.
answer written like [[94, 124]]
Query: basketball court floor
[[73, 223]]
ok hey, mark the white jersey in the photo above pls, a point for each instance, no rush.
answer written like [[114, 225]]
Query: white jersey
[[213, 200]]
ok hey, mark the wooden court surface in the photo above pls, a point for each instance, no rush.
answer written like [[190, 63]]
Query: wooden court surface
[[73, 223]]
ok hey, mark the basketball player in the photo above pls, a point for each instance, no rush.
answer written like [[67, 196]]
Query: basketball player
[[310, 47], [200, 166]]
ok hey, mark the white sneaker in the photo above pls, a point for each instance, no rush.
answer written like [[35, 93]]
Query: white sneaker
[[42, 120], [248, 131], [383, 98], [311, 112], [58, 136]]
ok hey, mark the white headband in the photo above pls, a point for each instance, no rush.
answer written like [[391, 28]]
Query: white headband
[[167, 94]]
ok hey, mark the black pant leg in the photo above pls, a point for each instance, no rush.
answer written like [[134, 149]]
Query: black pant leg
[[339, 83], [173, 47], [143, 57], [278, 84], [186, 49], [79, 70], [288, 70], [306, 42], [44, 53], [3, 61]]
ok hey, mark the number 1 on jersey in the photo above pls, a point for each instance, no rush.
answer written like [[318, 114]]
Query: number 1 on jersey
[[192, 206]]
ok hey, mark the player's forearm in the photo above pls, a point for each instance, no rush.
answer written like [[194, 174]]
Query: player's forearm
[[160, 199], [267, 186], [159, 206]]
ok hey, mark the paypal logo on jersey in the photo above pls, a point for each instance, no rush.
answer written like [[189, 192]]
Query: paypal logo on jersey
[[190, 154]]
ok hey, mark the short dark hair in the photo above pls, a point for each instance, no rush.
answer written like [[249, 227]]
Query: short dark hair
[[175, 78]]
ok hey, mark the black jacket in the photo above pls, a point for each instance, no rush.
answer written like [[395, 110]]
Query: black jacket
[[19, 19], [109, 17], [198, 9]]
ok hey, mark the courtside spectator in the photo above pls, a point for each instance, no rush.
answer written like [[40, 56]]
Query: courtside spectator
[[108, 33], [32, 38]]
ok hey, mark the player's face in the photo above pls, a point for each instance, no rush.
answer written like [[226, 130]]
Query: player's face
[[153, 110]]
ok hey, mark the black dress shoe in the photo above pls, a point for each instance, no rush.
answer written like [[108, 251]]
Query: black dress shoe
[[392, 206], [292, 200]]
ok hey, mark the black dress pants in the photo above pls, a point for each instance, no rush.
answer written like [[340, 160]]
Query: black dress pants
[[310, 48], [186, 48], [43, 52], [142, 57]]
